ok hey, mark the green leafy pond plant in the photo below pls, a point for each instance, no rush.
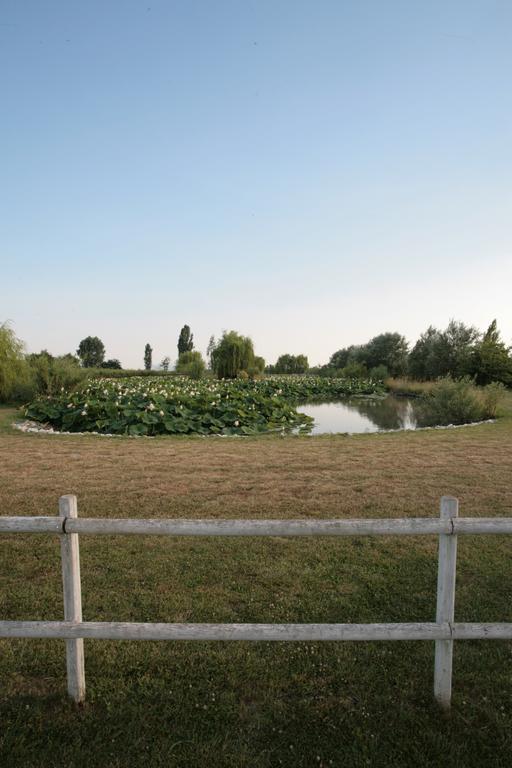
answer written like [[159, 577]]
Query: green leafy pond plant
[[154, 406]]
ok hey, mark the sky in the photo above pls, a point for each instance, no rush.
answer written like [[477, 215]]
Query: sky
[[309, 174]]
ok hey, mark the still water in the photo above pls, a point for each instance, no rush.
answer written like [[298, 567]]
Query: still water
[[362, 415]]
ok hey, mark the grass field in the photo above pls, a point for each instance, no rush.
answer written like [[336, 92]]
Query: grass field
[[258, 705]]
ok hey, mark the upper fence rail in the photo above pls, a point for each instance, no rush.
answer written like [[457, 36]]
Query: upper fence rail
[[409, 526]]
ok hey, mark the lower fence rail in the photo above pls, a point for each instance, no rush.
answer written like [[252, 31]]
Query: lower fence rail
[[120, 630], [443, 631]]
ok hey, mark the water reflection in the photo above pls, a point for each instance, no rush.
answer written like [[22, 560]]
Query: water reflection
[[363, 415]]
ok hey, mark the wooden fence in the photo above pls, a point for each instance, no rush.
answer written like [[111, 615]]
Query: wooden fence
[[443, 631]]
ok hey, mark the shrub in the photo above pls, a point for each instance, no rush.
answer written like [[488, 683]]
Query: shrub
[[352, 371], [51, 374], [379, 373], [492, 396], [459, 402], [191, 364]]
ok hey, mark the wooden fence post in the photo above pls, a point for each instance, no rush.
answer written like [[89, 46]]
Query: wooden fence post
[[72, 600], [445, 604]]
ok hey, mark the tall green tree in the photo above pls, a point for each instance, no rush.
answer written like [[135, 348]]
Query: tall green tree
[[91, 352], [491, 358], [424, 359], [347, 356], [386, 349], [458, 344], [148, 357], [441, 353], [186, 340], [389, 350], [233, 353]]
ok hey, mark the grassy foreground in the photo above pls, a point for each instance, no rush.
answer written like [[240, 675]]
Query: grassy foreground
[[258, 705]]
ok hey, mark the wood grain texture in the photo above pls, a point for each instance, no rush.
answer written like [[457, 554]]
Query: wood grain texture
[[446, 572], [72, 600], [411, 526], [118, 630]]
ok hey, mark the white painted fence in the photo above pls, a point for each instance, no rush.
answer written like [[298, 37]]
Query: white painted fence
[[443, 631]]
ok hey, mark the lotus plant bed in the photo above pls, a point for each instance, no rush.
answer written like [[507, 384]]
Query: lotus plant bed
[[153, 406]]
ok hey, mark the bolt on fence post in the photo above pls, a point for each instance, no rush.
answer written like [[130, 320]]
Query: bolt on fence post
[[445, 604], [72, 600]]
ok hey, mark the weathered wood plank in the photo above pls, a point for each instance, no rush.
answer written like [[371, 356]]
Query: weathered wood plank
[[407, 526], [72, 600], [255, 632], [411, 526], [482, 525], [30, 524], [445, 604]]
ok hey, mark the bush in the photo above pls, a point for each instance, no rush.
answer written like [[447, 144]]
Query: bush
[[352, 371], [191, 364], [379, 373], [492, 396], [459, 402], [51, 374]]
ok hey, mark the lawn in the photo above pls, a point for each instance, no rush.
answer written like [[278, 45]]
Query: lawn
[[262, 704]]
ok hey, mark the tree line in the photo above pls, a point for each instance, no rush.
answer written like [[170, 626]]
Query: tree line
[[459, 350], [228, 357]]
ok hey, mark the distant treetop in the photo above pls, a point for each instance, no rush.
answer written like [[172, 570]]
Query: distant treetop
[[186, 340], [91, 352]]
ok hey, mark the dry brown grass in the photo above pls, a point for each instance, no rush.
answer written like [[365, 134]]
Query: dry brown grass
[[393, 474]]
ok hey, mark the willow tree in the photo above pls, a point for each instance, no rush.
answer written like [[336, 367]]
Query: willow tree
[[13, 367], [232, 354]]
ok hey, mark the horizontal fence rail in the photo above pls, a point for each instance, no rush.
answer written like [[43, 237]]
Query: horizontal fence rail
[[443, 631], [409, 526], [121, 630]]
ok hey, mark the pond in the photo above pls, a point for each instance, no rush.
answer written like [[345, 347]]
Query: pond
[[362, 414]]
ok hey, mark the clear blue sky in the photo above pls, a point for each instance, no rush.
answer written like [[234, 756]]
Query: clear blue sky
[[308, 173]]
